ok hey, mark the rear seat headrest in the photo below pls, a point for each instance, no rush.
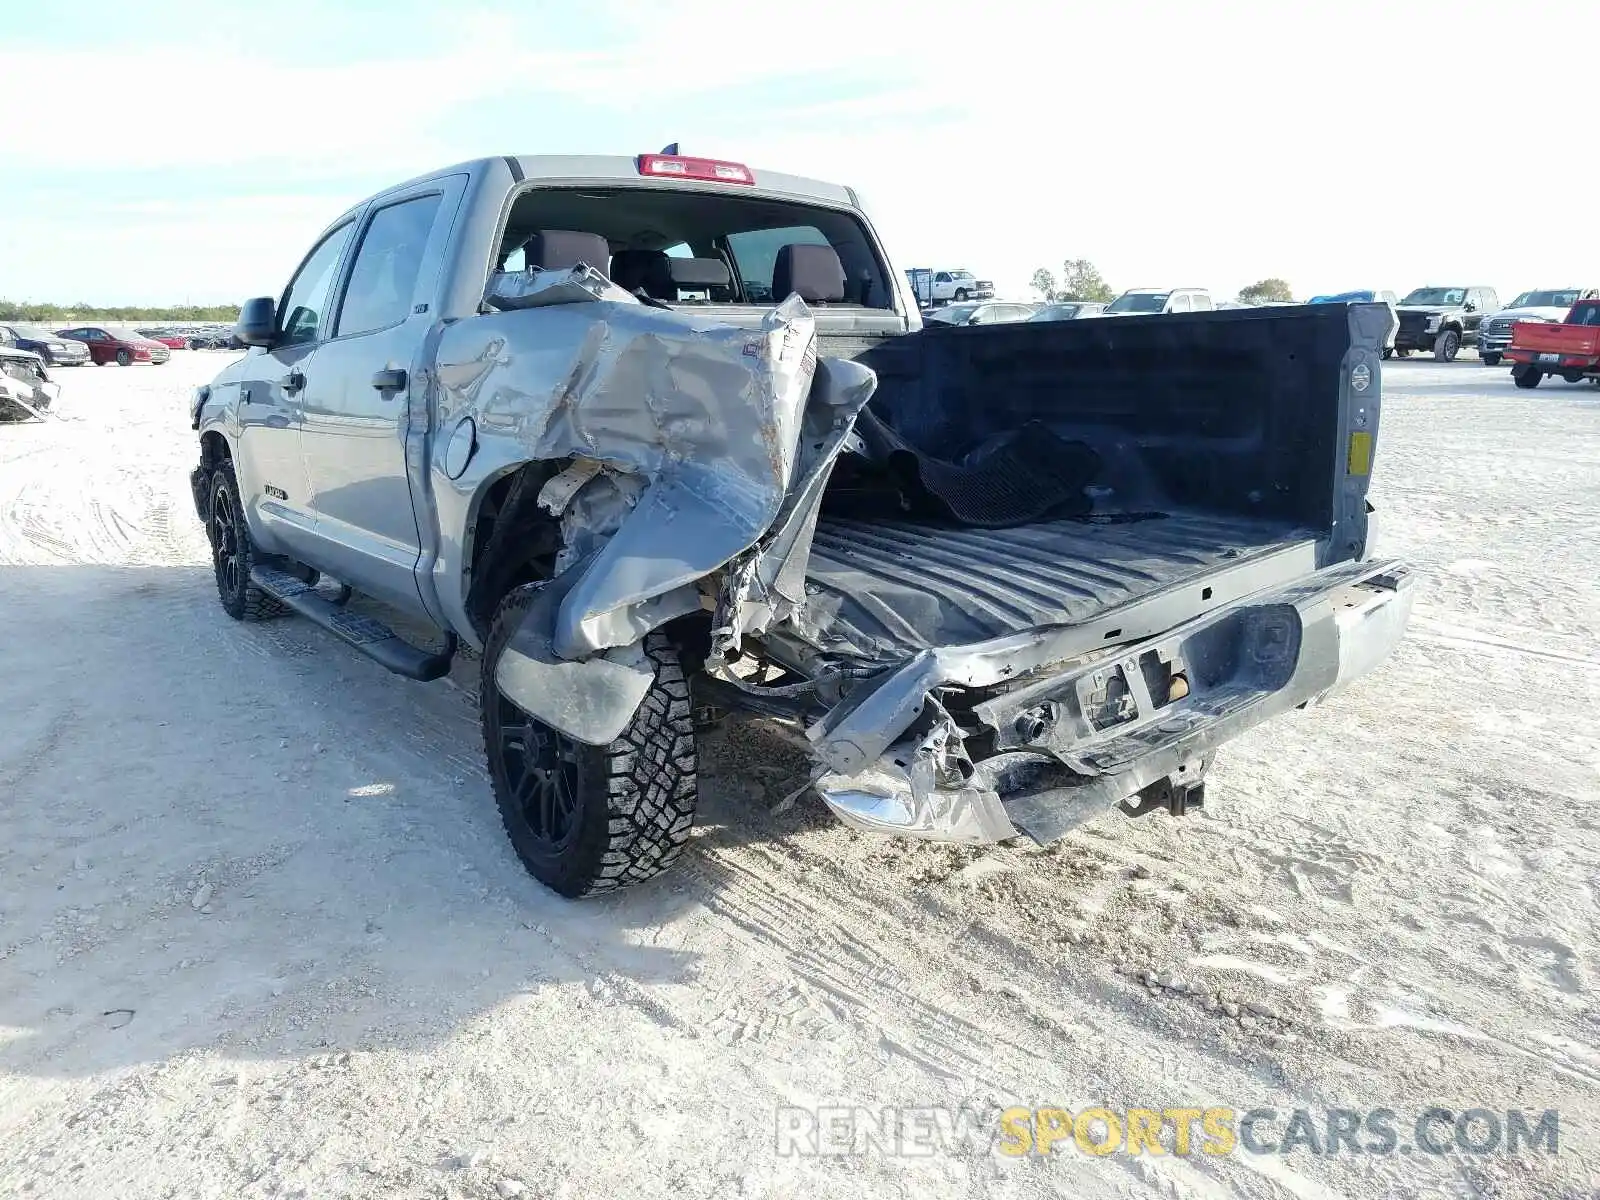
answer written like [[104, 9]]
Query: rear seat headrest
[[630, 269], [692, 274], [563, 249], [815, 272]]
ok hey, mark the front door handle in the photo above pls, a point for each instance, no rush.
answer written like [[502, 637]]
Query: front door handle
[[294, 382], [392, 379]]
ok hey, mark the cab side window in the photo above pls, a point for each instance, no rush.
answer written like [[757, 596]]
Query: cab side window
[[306, 298], [387, 265]]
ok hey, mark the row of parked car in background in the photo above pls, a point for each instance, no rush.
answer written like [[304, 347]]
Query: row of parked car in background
[[81, 345], [1435, 320]]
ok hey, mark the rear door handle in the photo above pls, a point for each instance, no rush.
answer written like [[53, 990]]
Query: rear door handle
[[392, 379], [294, 382]]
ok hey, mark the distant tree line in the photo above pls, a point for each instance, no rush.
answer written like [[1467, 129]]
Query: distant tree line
[[20, 311], [1081, 280]]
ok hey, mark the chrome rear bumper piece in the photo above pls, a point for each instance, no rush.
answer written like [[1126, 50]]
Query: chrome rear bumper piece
[[1062, 745]]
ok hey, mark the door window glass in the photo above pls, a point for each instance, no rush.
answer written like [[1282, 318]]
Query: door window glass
[[300, 314], [387, 265]]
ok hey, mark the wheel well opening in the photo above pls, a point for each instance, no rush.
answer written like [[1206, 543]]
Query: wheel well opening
[[213, 450], [514, 541]]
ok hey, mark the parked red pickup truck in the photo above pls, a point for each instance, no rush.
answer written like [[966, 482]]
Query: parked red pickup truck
[[1570, 350]]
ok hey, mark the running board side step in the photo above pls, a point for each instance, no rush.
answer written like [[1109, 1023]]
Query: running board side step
[[368, 635]]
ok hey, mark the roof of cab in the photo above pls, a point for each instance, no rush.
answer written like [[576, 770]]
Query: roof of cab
[[624, 169]]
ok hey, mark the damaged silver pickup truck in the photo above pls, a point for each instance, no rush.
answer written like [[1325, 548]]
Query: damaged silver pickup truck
[[661, 436]]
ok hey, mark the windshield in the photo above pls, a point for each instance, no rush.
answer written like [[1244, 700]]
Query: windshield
[[1436, 296], [1055, 312], [1564, 299], [34, 333], [1139, 302], [954, 314]]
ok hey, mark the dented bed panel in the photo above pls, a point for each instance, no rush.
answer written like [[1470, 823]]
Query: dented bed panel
[[702, 418]]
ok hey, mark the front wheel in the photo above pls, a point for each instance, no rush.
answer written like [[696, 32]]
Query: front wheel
[[1402, 353], [1388, 352], [124, 359], [1446, 346], [1489, 358], [590, 819], [961, 295], [1526, 375], [233, 553]]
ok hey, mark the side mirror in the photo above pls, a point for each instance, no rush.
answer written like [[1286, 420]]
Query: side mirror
[[258, 322]]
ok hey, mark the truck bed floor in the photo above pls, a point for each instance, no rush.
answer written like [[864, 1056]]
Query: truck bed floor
[[913, 585]]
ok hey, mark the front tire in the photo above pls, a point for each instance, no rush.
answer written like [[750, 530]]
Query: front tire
[[1446, 346], [1526, 375], [124, 359], [1402, 353], [1490, 358], [590, 819], [233, 553], [961, 295], [1388, 352]]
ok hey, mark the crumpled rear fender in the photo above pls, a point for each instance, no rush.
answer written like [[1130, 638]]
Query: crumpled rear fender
[[704, 421]]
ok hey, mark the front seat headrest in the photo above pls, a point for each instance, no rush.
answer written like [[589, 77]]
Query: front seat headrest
[[563, 249]]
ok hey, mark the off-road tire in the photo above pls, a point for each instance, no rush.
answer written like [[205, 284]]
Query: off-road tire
[[1446, 346], [124, 359], [633, 801], [241, 599], [1489, 358], [1525, 375]]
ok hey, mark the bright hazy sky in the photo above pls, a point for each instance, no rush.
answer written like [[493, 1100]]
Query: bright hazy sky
[[192, 152]]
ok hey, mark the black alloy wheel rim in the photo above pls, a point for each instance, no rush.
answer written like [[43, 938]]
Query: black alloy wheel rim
[[225, 542], [540, 767]]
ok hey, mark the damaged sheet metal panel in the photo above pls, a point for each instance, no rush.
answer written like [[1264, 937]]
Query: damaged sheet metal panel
[[591, 701], [694, 425], [512, 290], [25, 387], [767, 585]]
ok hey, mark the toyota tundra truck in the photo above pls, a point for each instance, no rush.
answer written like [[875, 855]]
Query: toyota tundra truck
[[662, 441], [1570, 349]]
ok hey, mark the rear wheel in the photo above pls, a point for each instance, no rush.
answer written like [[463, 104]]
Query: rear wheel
[[1446, 346], [1526, 375], [590, 819], [233, 553], [1402, 353], [124, 359], [1489, 358]]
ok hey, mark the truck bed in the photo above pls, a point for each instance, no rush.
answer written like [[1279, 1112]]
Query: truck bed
[[895, 586], [1181, 461]]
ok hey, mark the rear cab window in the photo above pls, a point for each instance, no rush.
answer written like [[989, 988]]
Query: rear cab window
[[736, 235]]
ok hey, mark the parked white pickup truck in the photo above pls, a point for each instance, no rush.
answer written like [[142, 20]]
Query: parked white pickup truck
[[661, 433]]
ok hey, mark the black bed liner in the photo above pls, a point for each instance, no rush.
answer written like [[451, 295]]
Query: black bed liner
[[890, 586]]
